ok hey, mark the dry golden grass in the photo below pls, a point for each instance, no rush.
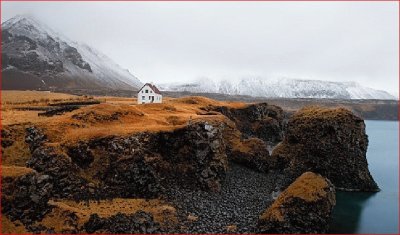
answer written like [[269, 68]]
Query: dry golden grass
[[121, 119], [162, 212], [309, 187], [321, 112], [116, 116], [13, 101], [33, 97], [18, 153], [15, 171], [9, 227], [12, 116]]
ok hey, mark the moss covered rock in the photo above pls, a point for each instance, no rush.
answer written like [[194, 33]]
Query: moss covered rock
[[304, 207], [330, 142]]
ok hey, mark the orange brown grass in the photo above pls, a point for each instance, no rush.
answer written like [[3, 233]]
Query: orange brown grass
[[31, 97], [15, 171], [171, 114], [12, 227], [309, 187], [161, 211]]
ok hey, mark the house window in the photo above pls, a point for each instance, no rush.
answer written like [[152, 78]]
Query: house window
[[147, 91], [143, 97], [142, 91]]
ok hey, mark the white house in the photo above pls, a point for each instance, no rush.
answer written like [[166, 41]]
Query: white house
[[149, 93]]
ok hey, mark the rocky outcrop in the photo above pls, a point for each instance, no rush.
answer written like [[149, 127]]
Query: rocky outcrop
[[139, 222], [6, 139], [252, 153], [193, 155], [255, 120], [330, 142], [140, 165], [64, 174], [304, 207], [25, 198], [34, 138]]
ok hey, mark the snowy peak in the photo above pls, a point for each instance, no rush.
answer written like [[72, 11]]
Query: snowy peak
[[36, 57], [281, 88]]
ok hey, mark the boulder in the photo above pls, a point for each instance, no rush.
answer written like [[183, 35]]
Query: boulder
[[330, 142], [304, 207]]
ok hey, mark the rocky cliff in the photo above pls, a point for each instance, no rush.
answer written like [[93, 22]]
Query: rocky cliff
[[330, 142]]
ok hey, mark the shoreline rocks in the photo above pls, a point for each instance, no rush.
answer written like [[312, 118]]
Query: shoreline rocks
[[304, 207]]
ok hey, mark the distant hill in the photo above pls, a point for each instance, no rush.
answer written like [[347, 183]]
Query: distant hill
[[281, 88], [36, 57]]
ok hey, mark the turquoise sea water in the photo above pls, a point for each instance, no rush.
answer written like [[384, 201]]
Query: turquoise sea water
[[357, 212]]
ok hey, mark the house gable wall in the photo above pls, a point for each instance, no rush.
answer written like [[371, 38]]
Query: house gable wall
[[146, 97]]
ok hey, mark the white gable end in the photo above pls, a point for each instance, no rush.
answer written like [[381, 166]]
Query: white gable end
[[148, 95]]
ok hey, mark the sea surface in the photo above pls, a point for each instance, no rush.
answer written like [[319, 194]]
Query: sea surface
[[357, 212]]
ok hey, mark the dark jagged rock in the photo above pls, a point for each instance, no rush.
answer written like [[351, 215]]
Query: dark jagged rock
[[330, 142], [34, 138], [304, 207], [26, 197], [72, 54], [6, 139], [59, 110], [139, 222], [81, 155], [193, 155], [256, 120], [252, 153], [67, 184], [132, 177]]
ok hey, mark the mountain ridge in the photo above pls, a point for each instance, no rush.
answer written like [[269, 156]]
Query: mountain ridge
[[280, 88], [37, 57]]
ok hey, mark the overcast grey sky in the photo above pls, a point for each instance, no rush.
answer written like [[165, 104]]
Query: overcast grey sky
[[182, 41]]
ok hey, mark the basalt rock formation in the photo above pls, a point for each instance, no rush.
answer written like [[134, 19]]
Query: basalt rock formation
[[139, 165], [330, 142], [193, 155], [25, 198], [304, 207], [260, 120]]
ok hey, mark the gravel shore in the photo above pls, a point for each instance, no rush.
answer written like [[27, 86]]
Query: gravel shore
[[244, 195]]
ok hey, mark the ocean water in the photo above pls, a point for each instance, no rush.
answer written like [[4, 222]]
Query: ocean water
[[357, 212]]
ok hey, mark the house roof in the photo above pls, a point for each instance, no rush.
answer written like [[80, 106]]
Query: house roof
[[153, 87]]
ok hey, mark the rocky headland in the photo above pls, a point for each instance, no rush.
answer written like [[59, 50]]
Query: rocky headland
[[189, 165]]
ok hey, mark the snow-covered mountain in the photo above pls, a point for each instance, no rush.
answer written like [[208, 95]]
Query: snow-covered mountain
[[36, 57], [281, 88]]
